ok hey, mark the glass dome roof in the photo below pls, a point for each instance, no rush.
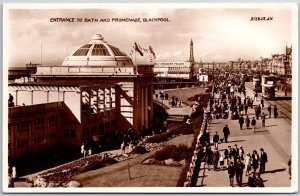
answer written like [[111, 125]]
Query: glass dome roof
[[98, 53]]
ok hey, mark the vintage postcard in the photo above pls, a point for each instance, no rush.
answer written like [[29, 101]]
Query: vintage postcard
[[150, 98]]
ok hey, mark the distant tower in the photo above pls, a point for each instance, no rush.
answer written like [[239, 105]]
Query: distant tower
[[191, 52], [192, 61]]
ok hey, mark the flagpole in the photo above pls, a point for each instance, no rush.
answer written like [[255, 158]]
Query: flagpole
[[149, 56], [135, 57]]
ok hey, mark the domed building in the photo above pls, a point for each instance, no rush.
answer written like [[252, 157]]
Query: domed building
[[98, 53], [96, 92]]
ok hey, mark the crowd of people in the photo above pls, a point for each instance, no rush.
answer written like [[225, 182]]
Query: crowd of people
[[236, 162], [230, 101], [230, 104]]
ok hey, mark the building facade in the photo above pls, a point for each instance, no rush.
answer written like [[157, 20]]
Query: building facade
[[94, 93]]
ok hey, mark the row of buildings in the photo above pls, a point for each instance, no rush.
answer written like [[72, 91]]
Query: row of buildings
[[277, 64]]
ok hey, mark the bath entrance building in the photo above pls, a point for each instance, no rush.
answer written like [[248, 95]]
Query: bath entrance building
[[94, 93]]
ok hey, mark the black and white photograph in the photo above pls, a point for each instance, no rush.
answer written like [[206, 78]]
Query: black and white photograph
[[150, 98]]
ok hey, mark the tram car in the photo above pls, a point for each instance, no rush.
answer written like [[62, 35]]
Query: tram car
[[257, 84], [268, 86]]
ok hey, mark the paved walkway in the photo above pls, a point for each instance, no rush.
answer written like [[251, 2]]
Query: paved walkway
[[184, 109], [275, 138]]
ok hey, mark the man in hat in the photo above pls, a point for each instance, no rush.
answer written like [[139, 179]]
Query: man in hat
[[263, 160], [216, 140], [226, 132]]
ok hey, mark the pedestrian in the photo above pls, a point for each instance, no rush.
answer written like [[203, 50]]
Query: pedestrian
[[255, 96], [259, 181], [90, 152], [252, 180], [263, 161], [253, 124], [231, 173], [262, 103], [209, 157], [123, 146], [82, 149], [269, 110], [241, 121], [263, 119], [222, 162], [228, 155], [216, 140], [248, 161], [247, 121], [241, 153], [85, 152], [226, 132], [275, 111], [239, 168], [235, 152], [215, 158], [246, 108], [255, 160], [14, 172]]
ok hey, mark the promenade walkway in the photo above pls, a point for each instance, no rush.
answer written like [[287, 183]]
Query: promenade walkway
[[275, 138]]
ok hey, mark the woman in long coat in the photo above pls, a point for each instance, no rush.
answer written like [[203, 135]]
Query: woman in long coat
[[215, 158], [255, 159], [247, 121]]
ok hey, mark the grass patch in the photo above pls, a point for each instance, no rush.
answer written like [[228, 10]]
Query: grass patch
[[177, 153]]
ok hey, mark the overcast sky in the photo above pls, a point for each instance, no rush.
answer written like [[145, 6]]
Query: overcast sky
[[218, 34]]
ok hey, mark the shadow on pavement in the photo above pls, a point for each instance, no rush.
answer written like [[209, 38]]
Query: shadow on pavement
[[233, 141], [275, 170], [214, 123], [138, 177], [271, 126], [261, 131]]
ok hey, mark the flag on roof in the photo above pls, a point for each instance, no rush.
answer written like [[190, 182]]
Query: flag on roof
[[138, 49], [152, 52]]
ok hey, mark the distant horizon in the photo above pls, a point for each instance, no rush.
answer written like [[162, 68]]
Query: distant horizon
[[219, 35]]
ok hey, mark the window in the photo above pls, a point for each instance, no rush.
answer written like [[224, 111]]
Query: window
[[116, 51], [73, 133], [100, 50], [86, 131], [66, 133], [39, 121], [81, 52]]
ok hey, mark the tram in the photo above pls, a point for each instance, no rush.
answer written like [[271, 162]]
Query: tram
[[257, 87], [268, 86]]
